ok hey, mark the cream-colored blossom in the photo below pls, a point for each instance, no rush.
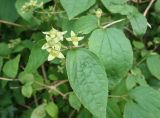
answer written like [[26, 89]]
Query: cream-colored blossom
[[55, 35], [53, 44], [74, 39], [55, 54], [99, 13]]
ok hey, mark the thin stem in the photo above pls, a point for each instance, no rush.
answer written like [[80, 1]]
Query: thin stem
[[115, 96], [44, 71], [6, 79], [60, 83], [148, 7], [10, 23], [112, 23]]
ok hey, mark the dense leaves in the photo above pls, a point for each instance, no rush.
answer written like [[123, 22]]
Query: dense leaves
[[79, 58]]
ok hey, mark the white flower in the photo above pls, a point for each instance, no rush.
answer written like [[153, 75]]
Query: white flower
[[55, 35], [53, 45], [55, 54], [99, 13], [74, 39]]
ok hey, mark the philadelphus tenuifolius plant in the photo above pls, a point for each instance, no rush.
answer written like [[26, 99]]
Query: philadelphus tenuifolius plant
[[53, 44], [74, 39]]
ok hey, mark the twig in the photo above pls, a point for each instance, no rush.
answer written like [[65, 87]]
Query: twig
[[148, 7], [60, 83], [44, 72], [6, 79], [10, 23], [112, 23], [115, 96], [72, 113]]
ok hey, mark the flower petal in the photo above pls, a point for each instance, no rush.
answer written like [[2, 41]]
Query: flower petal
[[80, 38], [51, 57], [75, 43], [45, 46], [60, 55], [68, 39], [72, 34]]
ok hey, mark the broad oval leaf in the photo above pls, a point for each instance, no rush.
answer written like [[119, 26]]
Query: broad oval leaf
[[10, 68], [75, 7], [74, 101], [115, 51], [36, 58], [52, 109], [153, 62], [39, 112], [88, 80], [138, 23], [145, 103], [86, 24]]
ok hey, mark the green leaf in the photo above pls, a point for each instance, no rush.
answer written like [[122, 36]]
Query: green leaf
[[39, 112], [156, 7], [75, 7], [7, 10], [131, 82], [153, 62], [85, 24], [36, 58], [88, 80], [4, 49], [118, 6], [145, 103], [115, 51], [138, 22], [26, 78], [27, 90], [10, 68], [74, 101], [113, 110], [52, 109]]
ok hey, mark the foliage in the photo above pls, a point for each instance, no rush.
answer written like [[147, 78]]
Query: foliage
[[79, 58]]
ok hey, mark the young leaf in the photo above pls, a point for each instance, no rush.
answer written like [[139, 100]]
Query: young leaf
[[10, 68], [145, 103], [52, 109], [39, 112], [156, 7], [26, 78], [36, 58], [138, 23], [88, 80], [131, 82], [115, 51], [74, 101], [85, 24], [153, 62], [75, 7], [27, 90], [4, 49]]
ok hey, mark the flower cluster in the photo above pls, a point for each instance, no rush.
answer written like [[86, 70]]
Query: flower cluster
[[74, 39], [53, 44], [30, 5]]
